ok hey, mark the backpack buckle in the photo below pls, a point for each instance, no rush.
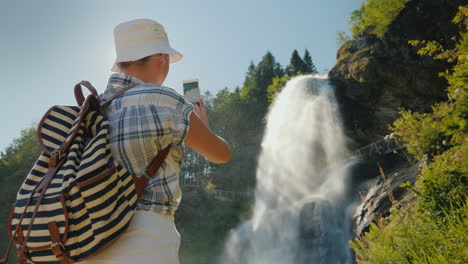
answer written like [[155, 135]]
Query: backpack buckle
[[22, 253], [54, 244], [55, 157], [58, 153]]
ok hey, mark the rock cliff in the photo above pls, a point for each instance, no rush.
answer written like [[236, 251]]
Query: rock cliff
[[375, 77]]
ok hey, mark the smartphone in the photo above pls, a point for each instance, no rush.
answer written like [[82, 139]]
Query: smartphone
[[192, 91]]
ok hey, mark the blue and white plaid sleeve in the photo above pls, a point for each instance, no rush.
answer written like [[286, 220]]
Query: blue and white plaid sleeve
[[181, 117]]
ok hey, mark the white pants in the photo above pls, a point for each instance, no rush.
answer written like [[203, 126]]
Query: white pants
[[150, 238]]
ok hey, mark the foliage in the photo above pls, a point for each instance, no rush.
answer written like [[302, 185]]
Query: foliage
[[415, 238], [299, 66], [276, 87], [445, 181], [231, 117], [295, 65], [440, 139], [15, 163], [421, 132], [258, 79], [432, 229], [342, 38], [374, 16], [309, 66], [433, 49]]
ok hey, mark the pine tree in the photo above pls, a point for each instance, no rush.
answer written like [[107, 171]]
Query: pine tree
[[296, 64], [259, 78], [266, 70], [249, 76], [309, 66]]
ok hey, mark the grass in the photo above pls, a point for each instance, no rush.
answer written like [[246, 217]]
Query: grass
[[415, 237]]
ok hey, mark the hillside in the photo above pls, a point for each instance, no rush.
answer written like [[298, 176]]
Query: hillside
[[407, 75]]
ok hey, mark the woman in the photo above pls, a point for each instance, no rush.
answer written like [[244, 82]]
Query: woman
[[143, 121]]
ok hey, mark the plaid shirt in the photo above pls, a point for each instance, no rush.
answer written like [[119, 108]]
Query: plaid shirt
[[143, 121]]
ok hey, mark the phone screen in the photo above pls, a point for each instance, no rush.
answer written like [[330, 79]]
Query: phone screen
[[192, 91]]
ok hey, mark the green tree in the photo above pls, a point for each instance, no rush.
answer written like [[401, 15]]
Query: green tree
[[15, 163], [257, 81], [309, 66], [249, 80], [296, 64], [275, 88], [229, 117]]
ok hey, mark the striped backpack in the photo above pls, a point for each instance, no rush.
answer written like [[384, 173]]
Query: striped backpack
[[77, 199]]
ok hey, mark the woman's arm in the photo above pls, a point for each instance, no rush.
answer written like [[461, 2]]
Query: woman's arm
[[201, 139]]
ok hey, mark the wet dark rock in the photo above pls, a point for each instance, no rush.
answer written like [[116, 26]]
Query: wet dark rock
[[380, 197]]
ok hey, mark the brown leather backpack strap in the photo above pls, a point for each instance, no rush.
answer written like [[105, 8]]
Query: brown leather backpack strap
[[140, 184], [57, 246], [156, 163], [79, 92], [18, 232], [21, 247], [47, 179], [153, 167]]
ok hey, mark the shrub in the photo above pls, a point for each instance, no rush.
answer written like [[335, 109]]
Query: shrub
[[410, 237], [375, 15]]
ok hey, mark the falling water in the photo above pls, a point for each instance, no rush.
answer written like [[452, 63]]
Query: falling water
[[300, 209]]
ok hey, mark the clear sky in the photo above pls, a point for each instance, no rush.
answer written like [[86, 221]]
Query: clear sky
[[47, 46]]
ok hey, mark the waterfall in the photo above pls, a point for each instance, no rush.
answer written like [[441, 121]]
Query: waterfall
[[300, 207]]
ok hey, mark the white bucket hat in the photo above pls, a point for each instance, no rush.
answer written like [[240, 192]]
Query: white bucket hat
[[139, 38]]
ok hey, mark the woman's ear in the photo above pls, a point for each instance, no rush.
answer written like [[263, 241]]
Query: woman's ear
[[163, 58]]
